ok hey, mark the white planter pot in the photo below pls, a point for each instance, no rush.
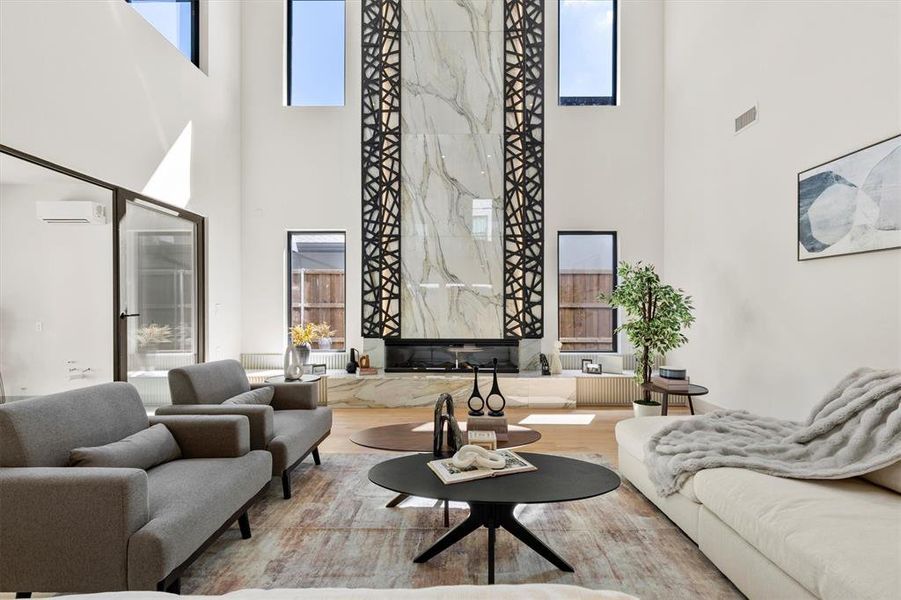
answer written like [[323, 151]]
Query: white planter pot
[[645, 410]]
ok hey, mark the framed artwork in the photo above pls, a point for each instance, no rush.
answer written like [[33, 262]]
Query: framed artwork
[[851, 204]]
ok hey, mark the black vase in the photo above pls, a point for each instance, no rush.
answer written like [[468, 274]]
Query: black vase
[[352, 364], [491, 400], [476, 410]]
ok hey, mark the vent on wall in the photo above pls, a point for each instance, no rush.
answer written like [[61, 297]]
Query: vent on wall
[[746, 119]]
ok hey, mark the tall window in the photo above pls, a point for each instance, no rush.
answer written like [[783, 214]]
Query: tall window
[[586, 267], [587, 52], [315, 52], [316, 284], [177, 20]]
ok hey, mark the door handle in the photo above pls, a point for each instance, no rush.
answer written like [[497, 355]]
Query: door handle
[[127, 315]]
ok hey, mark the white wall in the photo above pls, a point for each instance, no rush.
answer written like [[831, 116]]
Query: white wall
[[60, 318], [774, 334], [604, 164], [301, 171], [302, 165], [93, 86]]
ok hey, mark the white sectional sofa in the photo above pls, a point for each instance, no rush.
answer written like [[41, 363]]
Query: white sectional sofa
[[781, 538]]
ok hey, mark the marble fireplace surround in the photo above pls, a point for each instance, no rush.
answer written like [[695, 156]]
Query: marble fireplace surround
[[452, 54], [461, 258]]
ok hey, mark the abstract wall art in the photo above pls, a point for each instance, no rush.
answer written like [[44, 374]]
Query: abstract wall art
[[851, 204]]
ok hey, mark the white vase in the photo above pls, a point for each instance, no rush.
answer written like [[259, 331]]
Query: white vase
[[646, 410], [556, 365], [293, 366]]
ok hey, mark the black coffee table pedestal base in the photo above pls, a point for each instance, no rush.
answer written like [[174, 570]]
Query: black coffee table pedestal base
[[492, 516]]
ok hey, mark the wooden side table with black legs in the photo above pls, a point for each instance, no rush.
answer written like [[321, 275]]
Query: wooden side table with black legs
[[693, 390]]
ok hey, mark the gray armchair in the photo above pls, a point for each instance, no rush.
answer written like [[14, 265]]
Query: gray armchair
[[94, 529], [291, 427]]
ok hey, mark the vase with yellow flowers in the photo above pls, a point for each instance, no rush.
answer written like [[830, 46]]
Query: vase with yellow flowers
[[298, 352]]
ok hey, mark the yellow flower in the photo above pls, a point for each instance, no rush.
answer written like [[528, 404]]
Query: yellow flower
[[303, 334]]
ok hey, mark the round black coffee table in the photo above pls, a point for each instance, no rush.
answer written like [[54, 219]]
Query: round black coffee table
[[492, 500]]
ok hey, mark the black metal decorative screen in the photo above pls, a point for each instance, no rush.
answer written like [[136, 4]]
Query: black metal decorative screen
[[381, 168], [523, 168]]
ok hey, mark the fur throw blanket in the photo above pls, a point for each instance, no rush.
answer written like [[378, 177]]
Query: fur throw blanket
[[855, 429]]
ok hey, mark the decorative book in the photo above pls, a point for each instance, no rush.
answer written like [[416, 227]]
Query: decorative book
[[496, 424], [448, 473], [485, 439], [670, 384]]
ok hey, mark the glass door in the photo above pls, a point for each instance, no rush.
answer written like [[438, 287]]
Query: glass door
[[161, 294]]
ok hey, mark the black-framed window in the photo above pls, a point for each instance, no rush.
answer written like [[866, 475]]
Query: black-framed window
[[586, 44], [315, 62], [316, 284], [177, 20], [586, 267]]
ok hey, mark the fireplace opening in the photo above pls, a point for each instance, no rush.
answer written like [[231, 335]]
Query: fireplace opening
[[450, 356]]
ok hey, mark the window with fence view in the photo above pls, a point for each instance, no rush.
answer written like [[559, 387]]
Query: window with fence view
[[316, 285], [586, 264]]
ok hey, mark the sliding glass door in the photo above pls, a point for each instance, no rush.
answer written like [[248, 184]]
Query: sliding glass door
[[160, 293]]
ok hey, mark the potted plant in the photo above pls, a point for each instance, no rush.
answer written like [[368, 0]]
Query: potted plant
[[325, 334], [656, 315], [149, 338], [298, 353]]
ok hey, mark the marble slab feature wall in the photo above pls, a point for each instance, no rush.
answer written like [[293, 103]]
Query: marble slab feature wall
[[452, 168]]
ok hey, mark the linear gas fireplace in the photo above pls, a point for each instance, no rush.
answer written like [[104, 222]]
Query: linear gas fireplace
[[450, 356]]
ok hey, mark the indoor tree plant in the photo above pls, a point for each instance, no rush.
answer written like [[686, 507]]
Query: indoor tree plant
[[656, 315]]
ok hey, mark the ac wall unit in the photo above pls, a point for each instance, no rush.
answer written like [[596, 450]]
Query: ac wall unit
[[71, 211]]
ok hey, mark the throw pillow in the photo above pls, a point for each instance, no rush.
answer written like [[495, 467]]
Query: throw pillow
[[143, 450], [261, 395]]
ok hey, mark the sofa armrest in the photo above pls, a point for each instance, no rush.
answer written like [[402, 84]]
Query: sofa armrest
[[67, 529], [259, 416], [209, 436], [293, 396]]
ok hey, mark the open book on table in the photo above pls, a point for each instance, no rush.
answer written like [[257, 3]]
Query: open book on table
[[446, 471]]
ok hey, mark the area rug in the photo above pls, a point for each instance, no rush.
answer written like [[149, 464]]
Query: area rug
[[336, 532]]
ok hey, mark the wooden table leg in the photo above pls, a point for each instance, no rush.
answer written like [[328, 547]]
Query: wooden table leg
[[665, 408]]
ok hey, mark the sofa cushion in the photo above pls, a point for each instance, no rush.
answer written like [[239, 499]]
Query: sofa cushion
[[839, 539], [42, 431], [208, 383], [189, 500], [142, 450], [888, 477], [633, 434], [261, 395], [295, 433]]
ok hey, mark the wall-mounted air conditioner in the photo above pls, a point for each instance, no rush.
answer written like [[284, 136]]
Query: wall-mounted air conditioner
[[71, 211]]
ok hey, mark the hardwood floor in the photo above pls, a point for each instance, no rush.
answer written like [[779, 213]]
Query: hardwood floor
[[571, 434]]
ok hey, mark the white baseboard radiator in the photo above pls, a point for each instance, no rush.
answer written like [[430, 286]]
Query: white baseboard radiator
[[612, 391], [267, 360]]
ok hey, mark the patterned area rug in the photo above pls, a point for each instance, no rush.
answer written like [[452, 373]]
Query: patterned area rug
[[336, 532]]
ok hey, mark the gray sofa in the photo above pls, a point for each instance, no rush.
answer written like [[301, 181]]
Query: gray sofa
[[291, 427], [89, 529]]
